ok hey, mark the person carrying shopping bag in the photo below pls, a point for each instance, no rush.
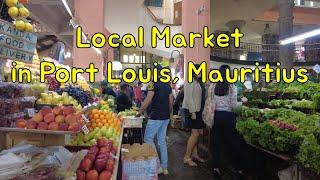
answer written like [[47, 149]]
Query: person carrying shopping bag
[[218, 115], [193, 104]]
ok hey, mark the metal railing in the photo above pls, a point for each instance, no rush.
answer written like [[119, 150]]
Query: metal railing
[[267, 52]]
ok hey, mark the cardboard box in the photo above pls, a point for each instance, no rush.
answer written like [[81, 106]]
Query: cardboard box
[[139, 162]]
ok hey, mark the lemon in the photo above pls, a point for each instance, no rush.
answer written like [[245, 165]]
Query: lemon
[[24, 12], [13, 12], [20, 25], [28, 27], [11, 3]]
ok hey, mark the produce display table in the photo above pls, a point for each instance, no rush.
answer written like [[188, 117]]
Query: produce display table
[[12, 136], [279, 156], [115, 170], [132, 127]]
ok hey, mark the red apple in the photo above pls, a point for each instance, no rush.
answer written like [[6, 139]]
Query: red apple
[[70, 119], [63, 127], [100, 164], [31, 124], [81, 175], [59, 119], [85, 164], [37, 118], [75, 127], [92, 175], [92, 157], [46, 110], [114, 151], [42, 126], [101, 142], [103, 156], [68, 110], [21, 123], [53, 126], [49, 118], [104, 150], [105, 175], [110, 165], [57, 110]]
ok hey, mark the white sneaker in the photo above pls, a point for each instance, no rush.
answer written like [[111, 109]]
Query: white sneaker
[[163, 171]]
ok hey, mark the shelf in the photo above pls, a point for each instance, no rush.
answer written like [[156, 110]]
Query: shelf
[[5, 129], [115, 170]]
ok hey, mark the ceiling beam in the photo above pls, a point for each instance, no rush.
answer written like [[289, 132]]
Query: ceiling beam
[[46, 2]]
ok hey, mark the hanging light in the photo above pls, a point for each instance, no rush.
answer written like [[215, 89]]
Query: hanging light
[[300, 37], [67, 7], [117, 66]]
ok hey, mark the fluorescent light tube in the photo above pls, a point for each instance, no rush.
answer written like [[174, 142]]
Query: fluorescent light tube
[[67, 7], [300, 37]]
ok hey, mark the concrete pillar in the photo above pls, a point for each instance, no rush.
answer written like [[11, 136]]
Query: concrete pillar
[[193, 22], [91, 17], [285, 30]]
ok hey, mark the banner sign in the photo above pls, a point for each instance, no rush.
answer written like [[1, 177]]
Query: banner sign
[[15, 44]]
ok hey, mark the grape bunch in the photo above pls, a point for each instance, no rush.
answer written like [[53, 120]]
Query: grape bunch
[[78, 94], [53, 84]]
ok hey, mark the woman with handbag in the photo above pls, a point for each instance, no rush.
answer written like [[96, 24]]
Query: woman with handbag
[[193, 104], [221, 100]]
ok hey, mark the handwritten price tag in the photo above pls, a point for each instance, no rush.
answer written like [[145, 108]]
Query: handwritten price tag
[[85, 129], [85, 118], [30, 112]]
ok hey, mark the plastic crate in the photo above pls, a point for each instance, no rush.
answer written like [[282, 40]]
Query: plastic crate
[[133, 122]]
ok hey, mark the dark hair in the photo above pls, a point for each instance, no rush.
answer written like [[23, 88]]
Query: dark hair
[[222, 88], [123, 86], [194, 75]]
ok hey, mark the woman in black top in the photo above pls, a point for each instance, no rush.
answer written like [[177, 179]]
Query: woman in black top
[[123, 100]]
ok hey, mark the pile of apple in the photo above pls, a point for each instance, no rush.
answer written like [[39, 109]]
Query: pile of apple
[[17, 11], [60, 118], [99, 162]]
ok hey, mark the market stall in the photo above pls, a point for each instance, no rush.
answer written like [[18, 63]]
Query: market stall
[[284, 121]]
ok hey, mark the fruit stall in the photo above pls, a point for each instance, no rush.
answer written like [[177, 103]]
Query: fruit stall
[[284, 120]]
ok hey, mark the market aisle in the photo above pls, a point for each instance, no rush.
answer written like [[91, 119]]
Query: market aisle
[[176, 149]]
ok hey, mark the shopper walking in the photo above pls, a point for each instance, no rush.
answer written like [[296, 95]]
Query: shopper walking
[[138, 94], [224, 96], [160, 100], [193, 104]]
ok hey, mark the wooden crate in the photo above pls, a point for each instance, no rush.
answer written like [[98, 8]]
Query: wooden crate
[[41, 140], [10, 137]]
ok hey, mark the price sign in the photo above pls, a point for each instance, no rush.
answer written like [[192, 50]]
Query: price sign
[[316, 68], [85, 118], [85, 129], [15, 44], [30, 112]]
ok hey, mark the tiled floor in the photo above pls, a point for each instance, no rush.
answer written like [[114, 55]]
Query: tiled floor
[[260, 165], [176, 149]]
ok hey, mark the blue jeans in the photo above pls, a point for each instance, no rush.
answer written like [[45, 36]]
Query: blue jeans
[[159, 128]]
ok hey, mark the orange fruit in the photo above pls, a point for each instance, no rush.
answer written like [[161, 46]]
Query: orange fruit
[[94, 111], [96, 116]]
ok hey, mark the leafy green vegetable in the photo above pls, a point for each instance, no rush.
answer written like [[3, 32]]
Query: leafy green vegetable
[[309, 153]]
